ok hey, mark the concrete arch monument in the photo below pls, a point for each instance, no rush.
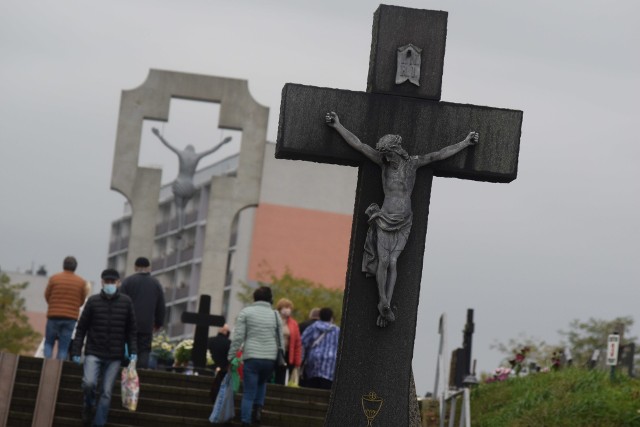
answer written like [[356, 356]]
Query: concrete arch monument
[[141, 185]]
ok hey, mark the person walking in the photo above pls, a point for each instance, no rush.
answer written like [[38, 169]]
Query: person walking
[[320, 343], [108, 322], [148, 301], [219, 346], [259, 329], [65, 293], [314, 314], [292, 343]]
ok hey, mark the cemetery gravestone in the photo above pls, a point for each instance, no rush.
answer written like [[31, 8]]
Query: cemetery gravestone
[[441, 369], [373, 374], [593, 362], [469, 329], [461, 357], [627, 358]]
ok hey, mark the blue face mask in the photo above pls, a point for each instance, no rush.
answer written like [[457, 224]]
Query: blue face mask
[[109, 288]]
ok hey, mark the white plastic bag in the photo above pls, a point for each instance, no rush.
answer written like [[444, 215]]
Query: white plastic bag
[[130, 386]]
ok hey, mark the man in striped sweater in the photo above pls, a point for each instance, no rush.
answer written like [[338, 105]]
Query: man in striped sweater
[[320, 344], [258, 330], [65, 294]]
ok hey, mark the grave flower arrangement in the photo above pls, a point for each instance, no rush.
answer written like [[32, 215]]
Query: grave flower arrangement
[[182, 352], [161, 348], [500, 374], [556, 360], [517, 363]]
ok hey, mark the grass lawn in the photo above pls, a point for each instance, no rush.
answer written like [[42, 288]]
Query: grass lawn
[[568, 398]]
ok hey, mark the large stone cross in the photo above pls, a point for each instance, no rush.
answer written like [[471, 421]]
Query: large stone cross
[[374, 364]]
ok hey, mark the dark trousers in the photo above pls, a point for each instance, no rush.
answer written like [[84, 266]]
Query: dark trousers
[[317, 382], [144, 349], [215, 385], [256, 374]]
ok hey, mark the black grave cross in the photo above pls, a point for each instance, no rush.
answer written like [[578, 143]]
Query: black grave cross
[[374, 364], [203, 320], [461, 357]]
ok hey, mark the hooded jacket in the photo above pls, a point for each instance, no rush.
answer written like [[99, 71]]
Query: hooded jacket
[[320, 343]]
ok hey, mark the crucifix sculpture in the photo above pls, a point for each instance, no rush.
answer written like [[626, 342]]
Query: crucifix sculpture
[[183, 187], [390, 225], [374, 356]]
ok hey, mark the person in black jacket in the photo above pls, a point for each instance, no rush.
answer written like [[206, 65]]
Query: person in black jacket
[[148, 302], [314, 315], [108, 322], [218, 346]]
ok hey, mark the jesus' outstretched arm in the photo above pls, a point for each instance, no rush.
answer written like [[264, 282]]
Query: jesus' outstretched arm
[[331, 119], [446, 152], [156, 132], [206, 153]]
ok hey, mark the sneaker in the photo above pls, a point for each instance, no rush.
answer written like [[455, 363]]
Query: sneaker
[[257, 414], [86, 416]]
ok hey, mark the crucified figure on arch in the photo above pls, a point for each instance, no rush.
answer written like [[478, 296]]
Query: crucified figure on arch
[[389, 225], [183, 187]]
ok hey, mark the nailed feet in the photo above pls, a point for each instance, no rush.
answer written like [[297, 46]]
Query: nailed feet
[[386, 315]]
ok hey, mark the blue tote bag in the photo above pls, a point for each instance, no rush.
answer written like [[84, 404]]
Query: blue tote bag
[[223, 410]]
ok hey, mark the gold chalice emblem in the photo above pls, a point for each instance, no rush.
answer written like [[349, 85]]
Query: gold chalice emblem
[[371, 404]]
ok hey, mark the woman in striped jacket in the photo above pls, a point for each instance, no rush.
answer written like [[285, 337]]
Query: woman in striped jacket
[[255, 332]]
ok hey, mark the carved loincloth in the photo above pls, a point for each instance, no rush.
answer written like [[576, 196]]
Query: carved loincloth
[[184, 189], [390, 230]]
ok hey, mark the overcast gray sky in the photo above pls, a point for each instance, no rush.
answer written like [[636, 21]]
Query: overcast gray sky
[[560, 242]]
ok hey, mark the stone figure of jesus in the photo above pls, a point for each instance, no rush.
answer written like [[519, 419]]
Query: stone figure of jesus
[[389, 225], [183, 187]]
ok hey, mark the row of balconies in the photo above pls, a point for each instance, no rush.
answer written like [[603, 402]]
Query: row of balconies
[[176, 329], [119, 244], [162, 262], [122, 242], [172, 224], [181, 292]]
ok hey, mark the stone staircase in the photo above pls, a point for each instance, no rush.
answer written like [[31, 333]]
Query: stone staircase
[[166, 400]]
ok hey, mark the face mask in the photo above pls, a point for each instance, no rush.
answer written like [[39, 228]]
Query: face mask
[[286, 312], [109, 288]]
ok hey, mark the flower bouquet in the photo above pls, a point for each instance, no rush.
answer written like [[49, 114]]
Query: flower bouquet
[[182, 353], [162, 349], [500, 374]]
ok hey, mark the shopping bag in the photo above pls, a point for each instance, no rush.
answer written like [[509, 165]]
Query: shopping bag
[[223, 409], [130, 386], [236, 367], [281, 361], [294, 379]]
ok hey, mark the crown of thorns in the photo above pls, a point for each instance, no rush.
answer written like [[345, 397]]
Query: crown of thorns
[[388, 141]]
